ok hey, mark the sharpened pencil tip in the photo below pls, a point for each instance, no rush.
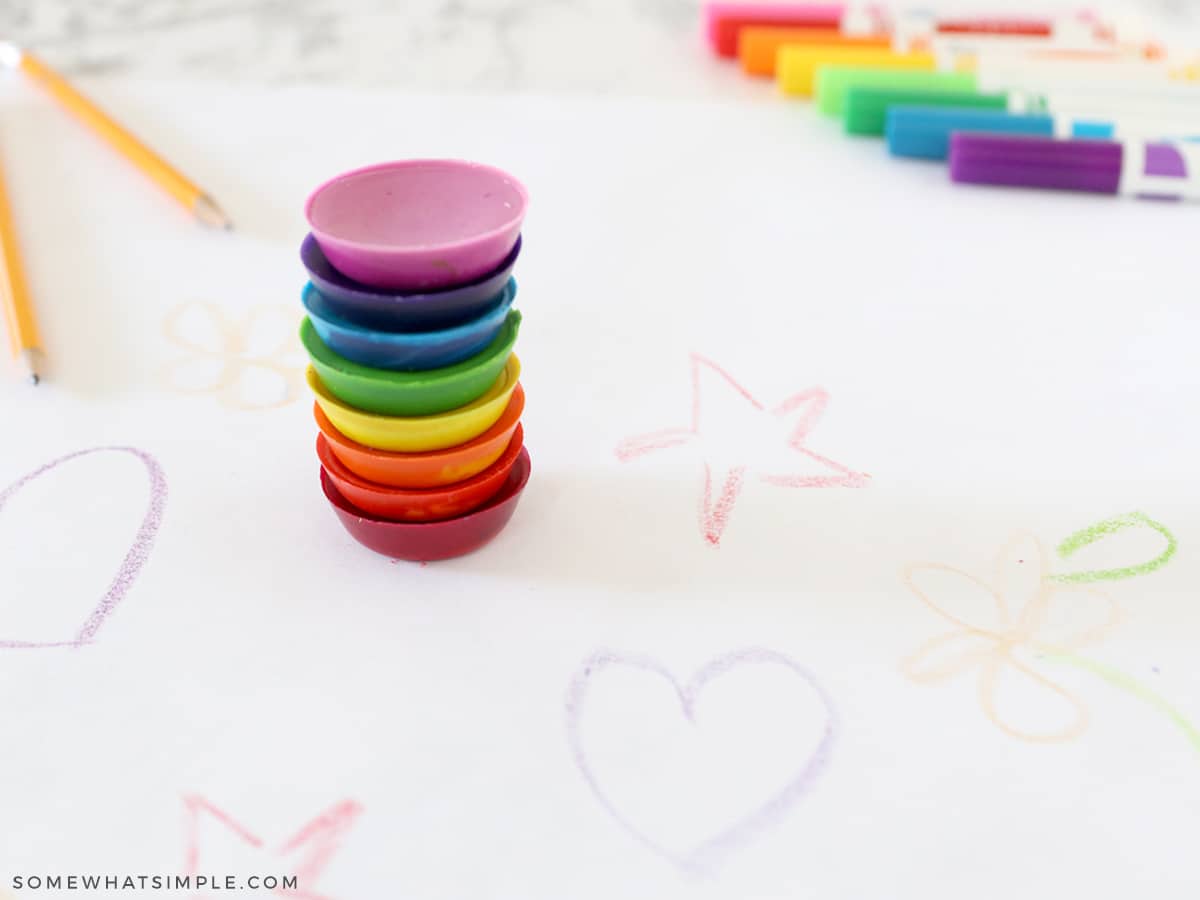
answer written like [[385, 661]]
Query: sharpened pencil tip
[[30, 360], [207, 211]]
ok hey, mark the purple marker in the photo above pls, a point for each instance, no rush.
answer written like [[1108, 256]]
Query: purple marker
[[1148, 170]]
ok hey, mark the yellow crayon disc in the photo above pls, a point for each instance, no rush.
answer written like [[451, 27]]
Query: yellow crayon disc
[[419, 434]]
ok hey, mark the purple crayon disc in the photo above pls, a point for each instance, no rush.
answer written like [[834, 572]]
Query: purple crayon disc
[[401, 310]]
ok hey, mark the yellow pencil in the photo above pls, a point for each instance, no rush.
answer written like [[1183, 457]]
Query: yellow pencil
[[172, 180], [14, 295]]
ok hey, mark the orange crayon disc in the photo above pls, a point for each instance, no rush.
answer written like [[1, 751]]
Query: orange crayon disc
[[430, 469]]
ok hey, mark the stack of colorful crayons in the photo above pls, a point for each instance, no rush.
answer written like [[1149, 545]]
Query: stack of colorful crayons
[[1064, 103], [410, 331]]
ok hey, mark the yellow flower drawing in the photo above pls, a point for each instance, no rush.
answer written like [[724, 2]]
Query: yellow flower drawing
[[249, 362], [1000, 628]]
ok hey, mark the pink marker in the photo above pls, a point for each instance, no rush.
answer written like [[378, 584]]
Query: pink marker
[[725, 20]]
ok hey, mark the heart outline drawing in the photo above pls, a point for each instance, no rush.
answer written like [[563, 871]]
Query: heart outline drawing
[[131, 564], [704, 856]]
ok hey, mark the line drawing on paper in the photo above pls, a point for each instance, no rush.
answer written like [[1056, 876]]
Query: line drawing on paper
[[234, 361], [306, 854], [724, 478], [703, 857], [1015, 629], [134, 559]]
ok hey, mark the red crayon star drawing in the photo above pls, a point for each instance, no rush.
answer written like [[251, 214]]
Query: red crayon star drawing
[[304, 855], [745, 437]]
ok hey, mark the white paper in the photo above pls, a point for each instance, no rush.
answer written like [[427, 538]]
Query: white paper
[[903, 396]]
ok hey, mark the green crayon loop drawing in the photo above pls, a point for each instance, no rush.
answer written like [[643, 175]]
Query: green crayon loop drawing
[[1093, 533]]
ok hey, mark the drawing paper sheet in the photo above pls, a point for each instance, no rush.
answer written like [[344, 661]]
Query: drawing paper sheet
[[859, 558]]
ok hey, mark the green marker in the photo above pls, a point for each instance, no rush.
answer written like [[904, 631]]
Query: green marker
[[835, 82], [866, 108]]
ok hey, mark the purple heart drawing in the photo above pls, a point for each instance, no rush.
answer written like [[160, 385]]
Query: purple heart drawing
[[707, 853], [134, 559]]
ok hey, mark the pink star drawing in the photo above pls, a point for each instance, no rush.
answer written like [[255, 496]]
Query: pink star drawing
[[305, 855], [745, 437]]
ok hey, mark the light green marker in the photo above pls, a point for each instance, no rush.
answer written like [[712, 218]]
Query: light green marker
[[834, 82]]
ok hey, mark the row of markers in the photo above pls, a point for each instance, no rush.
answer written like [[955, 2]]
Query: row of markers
[[1076, 103]]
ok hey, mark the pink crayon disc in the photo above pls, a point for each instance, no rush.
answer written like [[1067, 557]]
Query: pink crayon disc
[[418, 224]]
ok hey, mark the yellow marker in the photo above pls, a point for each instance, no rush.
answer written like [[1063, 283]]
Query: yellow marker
[[201, 205], [796, 67]]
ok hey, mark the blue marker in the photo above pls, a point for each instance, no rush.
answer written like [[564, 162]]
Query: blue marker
[[923, 132]]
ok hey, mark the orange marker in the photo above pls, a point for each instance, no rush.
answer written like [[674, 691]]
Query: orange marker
[[170, 179], [759, 47]]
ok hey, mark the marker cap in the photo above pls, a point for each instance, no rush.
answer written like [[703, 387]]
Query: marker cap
[[866, 108], [834, 82], [724, 21], [796, 66], [924, 131], [759, 46], [1024, 161]]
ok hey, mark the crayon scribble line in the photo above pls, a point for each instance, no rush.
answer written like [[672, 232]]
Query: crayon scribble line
[[988, 642], [315, 843], [703, 857], [135, 558], [1131, 685], [1087, 536], [805, 408], [234, 355], [715, 516]]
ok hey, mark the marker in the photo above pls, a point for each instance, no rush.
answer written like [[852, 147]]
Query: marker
[[796, 67], [881, 88], [1165, 101], [949, 50], [1127, 128], [1098, 94], [1016, 26], [1148, 171], [866, 108], [923, 130], [723, 21], [1041, 73], [1059, 29], [758, 47], [834, 82]]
